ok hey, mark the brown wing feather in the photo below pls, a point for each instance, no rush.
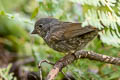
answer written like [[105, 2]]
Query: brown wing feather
[[67, 30], [75, 29]]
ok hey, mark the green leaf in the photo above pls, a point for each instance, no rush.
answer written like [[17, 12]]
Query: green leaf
[[35, 12]]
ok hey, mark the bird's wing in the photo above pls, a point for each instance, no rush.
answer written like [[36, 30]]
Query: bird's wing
[[69, 30], [76, 29]]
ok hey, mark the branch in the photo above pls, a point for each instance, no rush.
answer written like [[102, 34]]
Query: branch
[[80, 54]]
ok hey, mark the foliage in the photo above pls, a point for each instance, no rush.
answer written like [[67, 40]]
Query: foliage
[[17, 21], [4, 73]]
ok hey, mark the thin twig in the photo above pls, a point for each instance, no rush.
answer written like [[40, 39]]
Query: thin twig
[[39, 66]]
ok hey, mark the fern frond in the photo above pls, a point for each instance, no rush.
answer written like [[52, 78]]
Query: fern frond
[[110, 37], [4, 73], [94, 17], [105, 18], [95, 2]]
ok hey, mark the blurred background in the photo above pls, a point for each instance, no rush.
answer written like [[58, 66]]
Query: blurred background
[[20, 51]]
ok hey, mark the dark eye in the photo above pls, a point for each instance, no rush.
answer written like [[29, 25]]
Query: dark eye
[[40, 25]]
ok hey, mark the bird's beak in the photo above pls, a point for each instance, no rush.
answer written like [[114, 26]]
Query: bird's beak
[[34, 32]]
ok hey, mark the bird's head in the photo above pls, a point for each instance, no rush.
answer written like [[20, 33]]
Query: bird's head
[[43, 25]]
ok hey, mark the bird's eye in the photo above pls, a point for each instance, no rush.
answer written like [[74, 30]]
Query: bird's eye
[[40, 25]]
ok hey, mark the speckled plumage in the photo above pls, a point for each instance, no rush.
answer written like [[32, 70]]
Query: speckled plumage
[[64, 36]]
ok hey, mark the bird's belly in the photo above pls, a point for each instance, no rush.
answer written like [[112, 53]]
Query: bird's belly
[[68, 45]]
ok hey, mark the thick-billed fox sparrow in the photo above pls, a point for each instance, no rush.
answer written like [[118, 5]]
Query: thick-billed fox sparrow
[[64, 36]]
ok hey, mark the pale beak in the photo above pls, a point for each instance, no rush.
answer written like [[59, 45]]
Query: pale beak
[[34, 32]]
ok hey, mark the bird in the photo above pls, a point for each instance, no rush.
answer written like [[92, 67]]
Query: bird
[[65, 37]]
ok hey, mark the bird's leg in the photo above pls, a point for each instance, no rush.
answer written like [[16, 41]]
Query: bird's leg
[[70, 52], [39, 66]]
